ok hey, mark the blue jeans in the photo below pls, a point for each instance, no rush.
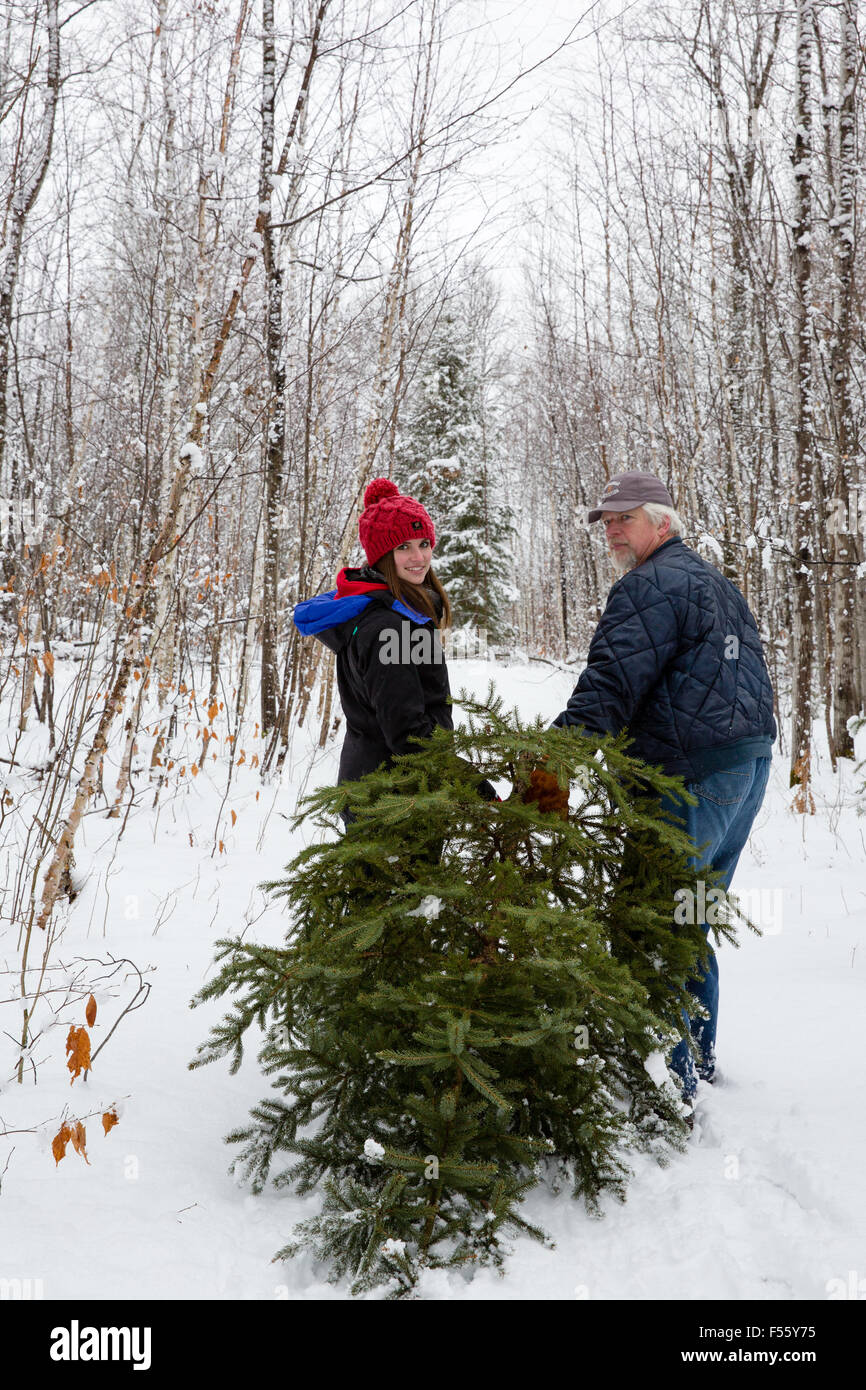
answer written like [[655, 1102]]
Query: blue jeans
[[721, 821]]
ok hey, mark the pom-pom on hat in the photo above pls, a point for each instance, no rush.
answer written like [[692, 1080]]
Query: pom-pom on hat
[[389, 519]]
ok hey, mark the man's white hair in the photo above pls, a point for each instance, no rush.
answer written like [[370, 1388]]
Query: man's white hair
[[657, 513]]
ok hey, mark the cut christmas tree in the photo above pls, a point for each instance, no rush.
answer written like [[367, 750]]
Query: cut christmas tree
[[473, 997]]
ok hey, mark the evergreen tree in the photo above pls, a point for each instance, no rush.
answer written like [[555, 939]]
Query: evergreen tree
[[471, 996], [448, 455]]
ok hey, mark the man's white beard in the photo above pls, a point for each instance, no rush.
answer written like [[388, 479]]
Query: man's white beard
[[624, 560]]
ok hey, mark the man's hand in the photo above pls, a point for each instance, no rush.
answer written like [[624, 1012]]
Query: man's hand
[[544, 789]]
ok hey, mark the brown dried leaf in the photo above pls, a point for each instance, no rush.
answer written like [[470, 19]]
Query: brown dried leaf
[[212, 711], [79, 1141], [59, 1142], [48, 662], [78, 1046], [109, 1120], [90, 1012], [234, 816]]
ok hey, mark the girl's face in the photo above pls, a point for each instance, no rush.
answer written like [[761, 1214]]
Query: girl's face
[[413, 559]]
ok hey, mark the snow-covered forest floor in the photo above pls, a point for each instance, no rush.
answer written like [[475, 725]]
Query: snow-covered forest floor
[[766, 1203]]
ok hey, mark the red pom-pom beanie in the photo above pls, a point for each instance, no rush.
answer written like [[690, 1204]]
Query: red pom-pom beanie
[[389, 519]]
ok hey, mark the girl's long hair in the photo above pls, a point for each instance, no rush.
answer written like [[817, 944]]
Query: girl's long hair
[[417, 596]]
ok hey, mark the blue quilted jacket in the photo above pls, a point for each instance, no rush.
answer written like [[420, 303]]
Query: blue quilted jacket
[[677, 661]]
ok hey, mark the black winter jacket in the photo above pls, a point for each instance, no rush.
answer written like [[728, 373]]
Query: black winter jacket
[[391, 670], [677, 661]]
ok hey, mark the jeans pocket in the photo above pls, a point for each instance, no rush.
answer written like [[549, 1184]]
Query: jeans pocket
[[725, 788]]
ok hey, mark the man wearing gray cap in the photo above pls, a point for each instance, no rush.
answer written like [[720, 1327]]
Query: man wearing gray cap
[[676, 660]]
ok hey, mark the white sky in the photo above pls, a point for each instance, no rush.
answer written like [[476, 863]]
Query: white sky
[[499, 180]]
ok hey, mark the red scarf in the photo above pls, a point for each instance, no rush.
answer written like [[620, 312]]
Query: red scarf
[[354, 586]]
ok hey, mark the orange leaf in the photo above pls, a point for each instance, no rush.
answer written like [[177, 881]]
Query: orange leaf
[[48, 661], [255, 761], [78, 1046], [79, 1141], [194, 769], [136, 675], [90, 1012], [59, 1142], [234, 816], [212, 711], [222, 848], [109, 1120], [242, 758], [257, 796]]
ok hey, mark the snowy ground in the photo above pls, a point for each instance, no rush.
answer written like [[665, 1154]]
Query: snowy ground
[[766, 1203]]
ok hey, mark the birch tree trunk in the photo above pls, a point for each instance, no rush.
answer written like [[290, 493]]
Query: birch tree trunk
[[801, 269], [274, 450], [164, 646], [27, 180], [844, 541], [276, 415]]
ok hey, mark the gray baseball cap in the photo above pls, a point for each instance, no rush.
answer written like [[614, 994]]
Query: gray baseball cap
[[625, 491]]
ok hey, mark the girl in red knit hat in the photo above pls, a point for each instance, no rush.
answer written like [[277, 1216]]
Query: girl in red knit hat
[[383, 621]]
